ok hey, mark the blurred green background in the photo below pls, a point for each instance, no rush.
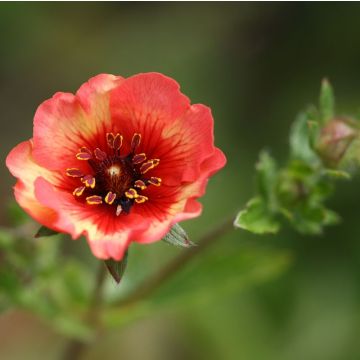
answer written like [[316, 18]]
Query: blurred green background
[[285, 297]]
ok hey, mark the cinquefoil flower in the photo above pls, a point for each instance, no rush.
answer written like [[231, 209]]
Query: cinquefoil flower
[[122, 160]]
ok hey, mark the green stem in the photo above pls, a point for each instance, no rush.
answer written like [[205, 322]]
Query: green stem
[[75, 348]]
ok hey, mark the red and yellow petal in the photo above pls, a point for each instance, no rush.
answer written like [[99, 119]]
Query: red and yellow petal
[[172, 130], [21, 165], [173, 204], [107, 235], [67, 122], [145, 103]]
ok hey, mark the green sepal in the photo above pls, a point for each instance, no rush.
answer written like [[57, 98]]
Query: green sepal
[[44, 231], [177, 236], [327, 102], [117, 268]]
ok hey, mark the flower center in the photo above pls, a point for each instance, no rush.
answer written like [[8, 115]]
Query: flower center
[[117, 179], [114, 170]]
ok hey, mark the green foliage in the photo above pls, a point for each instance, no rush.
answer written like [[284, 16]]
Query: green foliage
[[257, 218], [296, 193], [259, 214], [34, 275]]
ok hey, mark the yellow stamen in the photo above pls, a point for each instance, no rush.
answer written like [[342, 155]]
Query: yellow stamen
[[141, 199], [94, 200], [110, 197], [79, 191], [131, 193]]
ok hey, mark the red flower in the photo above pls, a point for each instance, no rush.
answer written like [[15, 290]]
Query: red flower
[[120, 161]]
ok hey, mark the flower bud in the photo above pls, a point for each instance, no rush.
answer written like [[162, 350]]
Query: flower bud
[[334, 140]]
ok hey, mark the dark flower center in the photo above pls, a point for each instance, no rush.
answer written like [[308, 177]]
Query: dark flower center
[[117, 179]]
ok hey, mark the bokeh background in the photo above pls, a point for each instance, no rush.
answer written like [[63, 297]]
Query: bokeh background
[[256, 65]]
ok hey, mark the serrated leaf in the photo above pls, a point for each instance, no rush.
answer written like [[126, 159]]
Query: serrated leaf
[[44, 231], [117, 268], [177, 236], [311, 220], [256, 218], [327, 102]]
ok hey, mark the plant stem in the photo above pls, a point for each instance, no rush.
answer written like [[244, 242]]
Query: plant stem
[[149, 285], [75, 348]]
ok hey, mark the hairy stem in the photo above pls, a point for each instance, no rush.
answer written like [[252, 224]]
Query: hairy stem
[[75, 348], [149, 285]]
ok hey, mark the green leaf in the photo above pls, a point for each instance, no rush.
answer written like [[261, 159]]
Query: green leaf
[[44, 231], [311, 220], [267, 174], [300, 142], [256, 218], [327, 102], [177, 236], [117, 268]]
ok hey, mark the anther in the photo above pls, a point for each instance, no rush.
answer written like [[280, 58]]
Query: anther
[[72, 172], [141, 199], [84, 149], [89, 181], [150, 164], [83, 156], [100, 155], [94, 200], [131, 193], [79, 191], [135, 141], [140, 184], [110, 197], [110, 140], [139, 158], [154, 181], [117, 142]]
